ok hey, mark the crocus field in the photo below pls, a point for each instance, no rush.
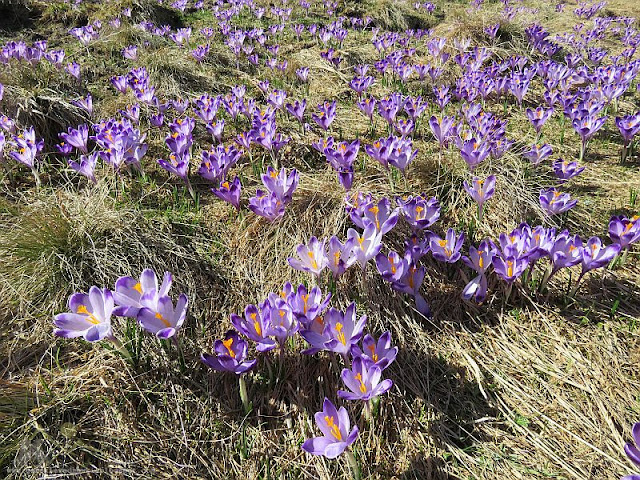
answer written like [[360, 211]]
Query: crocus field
[[320, 239]]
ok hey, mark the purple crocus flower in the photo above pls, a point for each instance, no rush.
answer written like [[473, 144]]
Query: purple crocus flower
[[229, 192], [297, 109], [537, 153], [474, 152], [85, 103], [86, 166], [90, 316], [334, 425], [267, 205], [381, 151], [509, 268], [339, 256], [280, 183], [555, 202], [629, 126], [77, 137], [538, 117], [566, 170], [311, 258], [367, 245], [305, 304], [419, 211], [380, 353], [230, 355], [164, 320], [381, 215], [481, 191], [401, 153], [254, 326], [363, 381], [326, 116], [447, 249], [74, 70], [131, 294], [632, 450], [587, 127], [624, 231], [343, 329], [596, 255]]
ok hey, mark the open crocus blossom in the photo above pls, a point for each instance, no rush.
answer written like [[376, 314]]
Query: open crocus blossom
[[447, 249], [164, 321], [633, 450], [90, 316], [381, 215], [624, 231], [566, 170], [595, 255], [338, 331], [334, 425], [311, 258], [381, 353], [363, 381], [131, 295], [231, 354], [554, 201], [254, 326]]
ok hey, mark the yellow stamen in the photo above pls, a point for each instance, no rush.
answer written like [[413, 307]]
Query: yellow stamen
[[341, 337], [363, 387], [163, 320], [335, 431], [227, 344], [138, 288]]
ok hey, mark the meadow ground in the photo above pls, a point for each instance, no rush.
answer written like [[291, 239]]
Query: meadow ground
[[539, 386]]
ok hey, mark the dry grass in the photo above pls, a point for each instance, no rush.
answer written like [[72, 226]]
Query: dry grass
[[541, 387]]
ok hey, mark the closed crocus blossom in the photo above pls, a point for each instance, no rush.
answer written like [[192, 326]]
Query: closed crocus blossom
[[339, 256], [254, 325], [481, 191], [90, 316], [164, 320], [380, 353], [230, 355], [129, 292], [366, 245], [447, 249], [311, 258], [334, 425], [554, 202], [477, 288], [85, 166], [363, 381]]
